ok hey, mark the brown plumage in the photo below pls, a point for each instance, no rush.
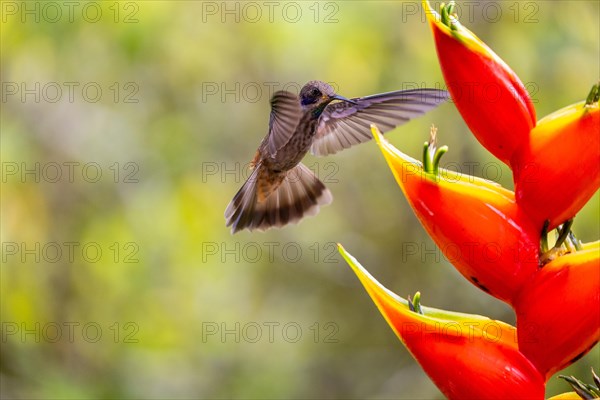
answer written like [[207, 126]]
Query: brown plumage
[[281, 190]]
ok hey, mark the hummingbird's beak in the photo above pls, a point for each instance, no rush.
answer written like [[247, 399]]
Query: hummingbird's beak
[[342, 98]]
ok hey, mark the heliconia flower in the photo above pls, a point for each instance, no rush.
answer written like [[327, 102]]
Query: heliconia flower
[[558, 171], [466, 356], [476, 223], [558, 312], [488, 94]]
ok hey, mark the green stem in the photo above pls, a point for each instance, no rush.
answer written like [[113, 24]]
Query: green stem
[[436, 159], [576, 242], [444, 14], [451, 7], [426, 159], [432, 155], [414, 304], [594, 95], [417, 301], [570, 245], [596, 378], [563, 233], [447, 11], [584, 390]]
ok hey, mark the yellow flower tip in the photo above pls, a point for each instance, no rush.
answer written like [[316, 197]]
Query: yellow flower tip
[[591, 246], [430, 13], [435, 18], [381, 296], [396, 310], [459, 32], [566, 396], [376, 133], [384, 145], [389, 151], [562, 116], [427, 7], [358, 269]]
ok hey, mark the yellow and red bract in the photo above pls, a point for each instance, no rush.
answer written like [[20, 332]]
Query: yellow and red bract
[[466, 356], [558, 170], [477, 224]]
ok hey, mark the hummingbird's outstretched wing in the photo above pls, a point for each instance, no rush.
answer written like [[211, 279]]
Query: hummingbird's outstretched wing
[[285, 116], [345, 124]]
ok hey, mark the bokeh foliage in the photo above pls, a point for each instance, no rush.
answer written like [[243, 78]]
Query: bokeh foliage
[[188, 273]]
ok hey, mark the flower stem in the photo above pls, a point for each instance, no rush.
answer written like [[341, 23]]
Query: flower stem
[[432, 155], [414, 304], [563, 233], [594, 96], [566, 242], [596, 378], [584, 390], [436, 159], [426, 159], [576, 243], [448, 14]]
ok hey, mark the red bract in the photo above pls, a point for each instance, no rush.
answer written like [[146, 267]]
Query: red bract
[[476, 223], [558, 171], [488, 94], [466, 356], [558, 311]]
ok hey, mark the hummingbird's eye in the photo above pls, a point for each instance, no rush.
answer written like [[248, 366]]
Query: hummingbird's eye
[[310, 95]]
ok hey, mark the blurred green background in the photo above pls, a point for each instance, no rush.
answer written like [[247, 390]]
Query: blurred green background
[[126, 128]]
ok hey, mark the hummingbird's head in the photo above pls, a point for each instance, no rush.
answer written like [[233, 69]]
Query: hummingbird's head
[[318, 94]]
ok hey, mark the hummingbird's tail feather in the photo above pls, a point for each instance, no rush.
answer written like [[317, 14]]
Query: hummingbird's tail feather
[[269, 199]]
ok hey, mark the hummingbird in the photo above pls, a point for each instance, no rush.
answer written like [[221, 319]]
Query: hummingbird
[[281, 190]]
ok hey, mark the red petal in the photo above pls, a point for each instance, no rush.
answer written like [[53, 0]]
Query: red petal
[[488, 94], [467, 356], [559, 170], [476, 224], [558, 311]]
